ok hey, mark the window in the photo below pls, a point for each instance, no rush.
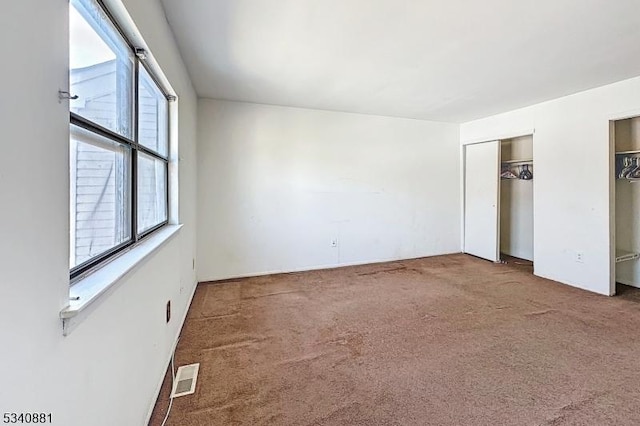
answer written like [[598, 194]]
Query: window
[[119, 143]]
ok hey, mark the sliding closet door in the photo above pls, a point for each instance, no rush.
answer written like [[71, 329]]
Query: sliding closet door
[[481, 200]]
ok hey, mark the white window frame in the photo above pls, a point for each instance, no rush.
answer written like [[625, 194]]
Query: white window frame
[[88, 288], [140, 56]]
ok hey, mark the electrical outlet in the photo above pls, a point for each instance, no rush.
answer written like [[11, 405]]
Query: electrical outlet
[[334, 242], [579, 257], [168, 313]]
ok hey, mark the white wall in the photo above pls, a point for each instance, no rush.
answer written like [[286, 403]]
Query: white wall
[[516, 218], [123, 340], [573, 170], [277, 184], [628, 230]]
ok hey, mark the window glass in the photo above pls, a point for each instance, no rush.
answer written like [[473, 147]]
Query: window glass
[[113, 204], [152, 192], [101, 69], [100, 188], [152, 115]]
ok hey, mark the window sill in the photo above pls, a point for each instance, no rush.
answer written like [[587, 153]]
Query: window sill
[[89, 289]]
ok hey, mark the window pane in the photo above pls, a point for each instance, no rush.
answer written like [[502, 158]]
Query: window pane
[[100, 187], [152, 192], [153, 115], [101, 69]]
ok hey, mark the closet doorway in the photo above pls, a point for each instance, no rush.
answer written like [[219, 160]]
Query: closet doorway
[[516, 200], [498, 200], [626, 144]]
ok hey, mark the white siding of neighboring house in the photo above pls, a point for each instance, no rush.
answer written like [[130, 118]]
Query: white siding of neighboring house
[[151, 179], [97, 188]]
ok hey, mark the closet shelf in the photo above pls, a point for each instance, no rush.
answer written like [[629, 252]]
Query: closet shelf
[[623, 255], [636, 151], [518, 162]]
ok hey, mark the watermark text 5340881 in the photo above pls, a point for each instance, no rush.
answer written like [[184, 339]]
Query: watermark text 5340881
[[26, 418]]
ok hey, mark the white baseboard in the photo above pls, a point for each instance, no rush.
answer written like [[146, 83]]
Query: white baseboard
[[315, 268]]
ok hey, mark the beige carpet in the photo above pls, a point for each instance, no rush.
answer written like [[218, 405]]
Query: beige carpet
[[447, 340]]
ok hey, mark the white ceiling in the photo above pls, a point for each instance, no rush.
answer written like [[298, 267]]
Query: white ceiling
[[452, 60]]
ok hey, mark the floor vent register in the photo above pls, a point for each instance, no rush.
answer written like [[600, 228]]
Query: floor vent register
[[185, 381]]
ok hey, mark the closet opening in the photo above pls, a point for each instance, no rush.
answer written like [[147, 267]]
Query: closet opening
[[626, 143], [516, 202]]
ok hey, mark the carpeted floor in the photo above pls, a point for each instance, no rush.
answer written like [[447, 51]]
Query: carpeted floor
[[447, 340]]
